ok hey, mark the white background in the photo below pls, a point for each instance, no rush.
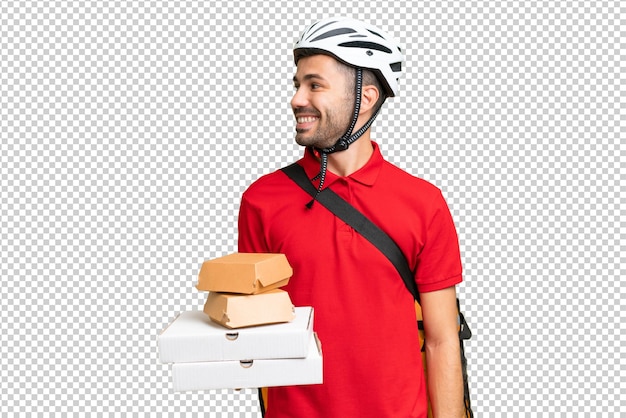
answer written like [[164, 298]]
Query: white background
[[129, 130]]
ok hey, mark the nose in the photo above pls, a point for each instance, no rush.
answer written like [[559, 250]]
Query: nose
[[299, 99]]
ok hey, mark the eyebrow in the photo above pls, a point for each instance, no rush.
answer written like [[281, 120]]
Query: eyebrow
[[308, 77]]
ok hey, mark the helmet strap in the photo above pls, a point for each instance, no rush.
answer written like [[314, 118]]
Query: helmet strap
[[347, 138]]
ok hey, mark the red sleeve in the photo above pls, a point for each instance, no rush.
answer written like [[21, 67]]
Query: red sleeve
[[251, 238], [439, 262]]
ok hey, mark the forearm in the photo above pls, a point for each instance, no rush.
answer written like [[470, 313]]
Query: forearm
[[445, 379]]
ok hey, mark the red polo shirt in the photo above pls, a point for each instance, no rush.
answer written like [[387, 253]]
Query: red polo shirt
[[364, 314]]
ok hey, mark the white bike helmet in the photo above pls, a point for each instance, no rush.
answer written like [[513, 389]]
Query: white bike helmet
[[356, 44]]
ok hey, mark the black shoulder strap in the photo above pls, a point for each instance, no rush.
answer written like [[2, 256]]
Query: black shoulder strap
[[347, 213]]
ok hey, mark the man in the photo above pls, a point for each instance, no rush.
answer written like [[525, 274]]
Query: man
[[364, 315]]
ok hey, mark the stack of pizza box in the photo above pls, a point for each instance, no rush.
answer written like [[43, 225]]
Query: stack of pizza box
[[249, 333]]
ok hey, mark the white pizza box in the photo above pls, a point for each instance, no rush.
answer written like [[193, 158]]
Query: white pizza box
[[193, 337], [250, 373]]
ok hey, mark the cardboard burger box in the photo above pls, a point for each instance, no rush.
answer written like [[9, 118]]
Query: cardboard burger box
[[246, 273], [251, 373], [193, 337], [237, 311]]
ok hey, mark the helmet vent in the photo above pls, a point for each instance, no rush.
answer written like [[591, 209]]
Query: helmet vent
[[366, 45], [334, 32], [377, 34], [318, 29]]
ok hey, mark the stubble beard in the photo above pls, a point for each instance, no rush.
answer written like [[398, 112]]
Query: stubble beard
[[330, 127]]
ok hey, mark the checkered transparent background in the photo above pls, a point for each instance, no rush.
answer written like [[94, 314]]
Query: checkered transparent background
[[130, 129]]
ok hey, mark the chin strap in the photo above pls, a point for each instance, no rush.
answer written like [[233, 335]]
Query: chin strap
[[348, 138]]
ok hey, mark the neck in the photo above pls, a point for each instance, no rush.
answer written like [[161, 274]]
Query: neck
[[344, 163]]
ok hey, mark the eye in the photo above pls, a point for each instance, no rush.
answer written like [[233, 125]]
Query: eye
[[315, 86]]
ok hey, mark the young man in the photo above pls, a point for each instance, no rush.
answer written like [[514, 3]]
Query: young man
[[364, 315]]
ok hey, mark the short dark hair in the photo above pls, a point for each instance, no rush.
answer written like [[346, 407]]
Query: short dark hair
[[370, 79]]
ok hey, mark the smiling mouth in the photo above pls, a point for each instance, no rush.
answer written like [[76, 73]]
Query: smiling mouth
[[306, 119]]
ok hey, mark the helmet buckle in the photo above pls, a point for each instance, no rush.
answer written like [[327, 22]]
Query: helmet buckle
[[341, 145]]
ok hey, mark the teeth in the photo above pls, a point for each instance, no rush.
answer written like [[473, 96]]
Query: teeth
[[306, 119]]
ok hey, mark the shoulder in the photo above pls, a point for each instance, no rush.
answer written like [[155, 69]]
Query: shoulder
[[267, 187], [406, 183], [265, 182]]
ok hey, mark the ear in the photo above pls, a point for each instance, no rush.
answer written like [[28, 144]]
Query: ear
[[369, 97]]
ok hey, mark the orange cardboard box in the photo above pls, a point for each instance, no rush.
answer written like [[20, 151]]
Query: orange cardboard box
[[236, 311], [245, 273]]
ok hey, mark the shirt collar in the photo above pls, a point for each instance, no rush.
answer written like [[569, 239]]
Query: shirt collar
[[366, 175]]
